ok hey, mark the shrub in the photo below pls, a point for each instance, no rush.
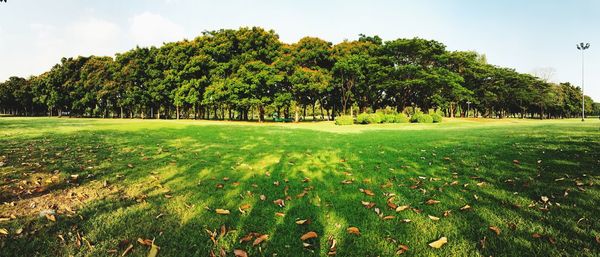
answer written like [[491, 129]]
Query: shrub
[[344, 120], [389, 118], [369, 118], [424, 118], [436, 117], [401, 118], [414, 118], [376, 117], [362, 118]]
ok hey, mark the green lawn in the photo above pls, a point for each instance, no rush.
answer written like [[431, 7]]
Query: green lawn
[[111, 182]]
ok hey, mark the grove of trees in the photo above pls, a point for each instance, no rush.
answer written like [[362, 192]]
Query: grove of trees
[[250, 74]]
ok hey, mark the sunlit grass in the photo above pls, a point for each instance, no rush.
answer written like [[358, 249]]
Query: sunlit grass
[[164, 179]]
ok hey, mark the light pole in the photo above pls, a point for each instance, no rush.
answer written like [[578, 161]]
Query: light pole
[[582, 47], [468, 108]]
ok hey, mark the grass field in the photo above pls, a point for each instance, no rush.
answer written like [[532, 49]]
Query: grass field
[[85, 187]]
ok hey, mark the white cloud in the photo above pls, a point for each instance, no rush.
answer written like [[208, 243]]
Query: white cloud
[[149, 29], [93, 36]]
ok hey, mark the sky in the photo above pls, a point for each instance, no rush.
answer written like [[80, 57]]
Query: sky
[[531, 36]]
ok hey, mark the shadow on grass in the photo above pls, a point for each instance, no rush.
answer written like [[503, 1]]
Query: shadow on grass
[[181, 175]]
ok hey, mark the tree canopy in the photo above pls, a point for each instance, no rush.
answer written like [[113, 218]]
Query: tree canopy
[[249, 73]]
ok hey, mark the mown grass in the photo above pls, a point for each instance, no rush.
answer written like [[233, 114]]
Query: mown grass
[[161, 180]]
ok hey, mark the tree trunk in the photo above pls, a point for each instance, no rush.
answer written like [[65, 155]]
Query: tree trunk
[[296, 114], [177, 112], [261, 113]]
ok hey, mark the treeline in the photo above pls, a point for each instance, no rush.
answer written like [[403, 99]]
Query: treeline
[[250, 74]]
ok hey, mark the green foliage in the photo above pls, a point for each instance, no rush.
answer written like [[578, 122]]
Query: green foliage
[[389, 118], [401, 118], [436, 117], [364, 118], [344, 120], [235, 73], [369, 118]]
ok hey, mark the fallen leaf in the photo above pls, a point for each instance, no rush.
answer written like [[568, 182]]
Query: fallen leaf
[[240, 253], [353, 230], [439, 243], [222, 211], [3, 231], [50, 217], [147, 242], [279, 214], [516, 162], [389, 217], [279, 202], [153, 251], [466, 207], [495, 229], [368, 205], [402, 208], [402, 249], [302, 222], [367, 192], [260, 239], [263, 197], [127, 250], [432, 202], [544, 199], [536, 235], [598, 239], [406, 220], [434, 218], [309, 235]]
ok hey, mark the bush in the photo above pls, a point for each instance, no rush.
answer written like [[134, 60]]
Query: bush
[[369, 118], [401, 118], [376, 117], [389, 118], [344, 120], [437, 118], [425, 118], [414, 118], [362, 118]]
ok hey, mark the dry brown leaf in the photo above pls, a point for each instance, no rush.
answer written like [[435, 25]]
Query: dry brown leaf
[[147, 242], [279, 202], [402, 249], [222, 211], [402, 208], [439, 243], [389, 217], [240, 253], [260, 239], [465, 208], [495, 229], [447, 213], [432, 202], [536, 235], [263, 197], [347, 181], [367, 192], [516, 162], [598, 239], [50, 217], [368, 205], [309, 235], [3, 231], [245, 206], [353, 230], [247, 238], [279, 214]]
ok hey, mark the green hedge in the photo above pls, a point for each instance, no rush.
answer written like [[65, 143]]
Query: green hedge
[[437, 118], [344, 120], [401, 118]]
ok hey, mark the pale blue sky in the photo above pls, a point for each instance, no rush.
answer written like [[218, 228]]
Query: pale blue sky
[[525, 35]]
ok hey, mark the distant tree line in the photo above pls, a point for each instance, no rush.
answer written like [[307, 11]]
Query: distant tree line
[[249, 73]]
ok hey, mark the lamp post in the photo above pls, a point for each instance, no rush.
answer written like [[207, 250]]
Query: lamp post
[[468, 108], [582, 47]]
